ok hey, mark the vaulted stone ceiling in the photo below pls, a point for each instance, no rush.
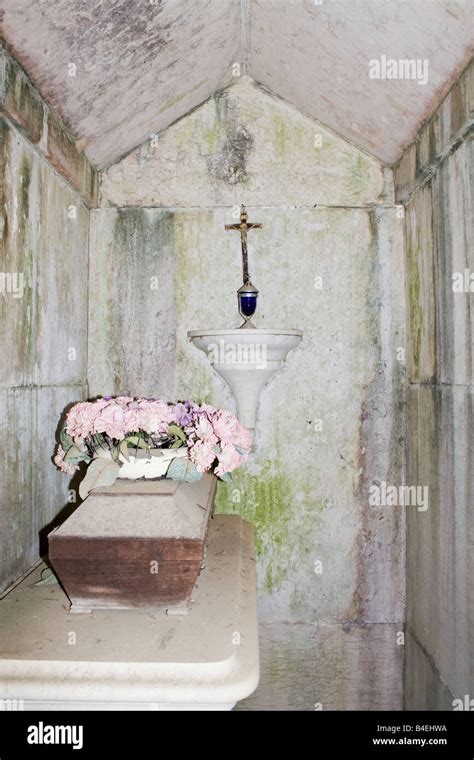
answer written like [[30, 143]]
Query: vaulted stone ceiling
[[142, 64]]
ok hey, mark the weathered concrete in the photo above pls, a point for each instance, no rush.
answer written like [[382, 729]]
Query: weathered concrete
[[323, 474], [440, 590], [316, 56], [306, 487], [233, 148], [171, 55], [157, 272], [140, 67], [23, 106], [435, 178], [131, 321], [453, 223], [328, 667], [440, 243], [43, 339], [33, 491], [425, 690], [421, 288], [438, 137], [43, 331]]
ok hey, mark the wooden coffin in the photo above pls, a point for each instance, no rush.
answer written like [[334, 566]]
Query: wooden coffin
[[134, 544]]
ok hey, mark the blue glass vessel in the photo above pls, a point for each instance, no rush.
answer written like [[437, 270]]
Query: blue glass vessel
[[247, 299]]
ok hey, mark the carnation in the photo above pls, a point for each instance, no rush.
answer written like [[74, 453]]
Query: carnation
[[155, 416], [69, 469], [203, 455], [80, 419], [110, 420], [229, 458], [215, 440]]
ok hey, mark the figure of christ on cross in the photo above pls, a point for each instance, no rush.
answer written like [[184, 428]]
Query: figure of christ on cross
[[243, 228]]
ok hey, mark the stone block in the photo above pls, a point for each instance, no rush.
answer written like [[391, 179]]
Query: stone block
[[424, 688], [34, 492], [43, 325], [244, 143], [440, 566]]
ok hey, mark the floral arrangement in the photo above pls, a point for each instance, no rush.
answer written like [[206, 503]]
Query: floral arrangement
[[109, 431]]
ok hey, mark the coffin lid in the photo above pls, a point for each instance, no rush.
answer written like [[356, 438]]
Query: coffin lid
[[144, 509]]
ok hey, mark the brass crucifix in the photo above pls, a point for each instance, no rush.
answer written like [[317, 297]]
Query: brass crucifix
[[243, 228]]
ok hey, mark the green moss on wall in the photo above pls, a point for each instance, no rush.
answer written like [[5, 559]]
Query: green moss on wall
[[215, 134], [29, 321], [415, 313], [281, 136], [267, 500], [359, 174]]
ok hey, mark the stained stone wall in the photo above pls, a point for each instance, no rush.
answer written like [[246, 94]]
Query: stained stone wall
[[330, 260], [331, 423], [435, 181], [43, 312]]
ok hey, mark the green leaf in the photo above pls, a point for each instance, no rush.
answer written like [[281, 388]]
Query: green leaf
[[181, 468], [124, 450], [74, 455], [176, 445], [74, 452], [101, 472], [66, 440], [48, 578], [178, 432], [135, 440], [226, 477]]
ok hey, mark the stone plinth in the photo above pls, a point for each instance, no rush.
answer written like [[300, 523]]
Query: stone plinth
[[137, 659]]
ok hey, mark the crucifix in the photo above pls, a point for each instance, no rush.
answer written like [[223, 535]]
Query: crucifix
[[247, 294], [243, 228]]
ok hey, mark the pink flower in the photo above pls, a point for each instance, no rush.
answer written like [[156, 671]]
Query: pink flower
[[203, 429], [131, 420], [111, 421], [202, 455], [70, 469], [80, 420], [154, 416], [229, 459], [101, 403], [244, 438], [208, 430], [208, 410], [227, 427]]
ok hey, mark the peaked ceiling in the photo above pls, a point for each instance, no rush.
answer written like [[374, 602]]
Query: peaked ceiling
[[142, 64]]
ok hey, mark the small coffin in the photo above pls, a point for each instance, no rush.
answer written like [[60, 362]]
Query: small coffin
[[134, 544]]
